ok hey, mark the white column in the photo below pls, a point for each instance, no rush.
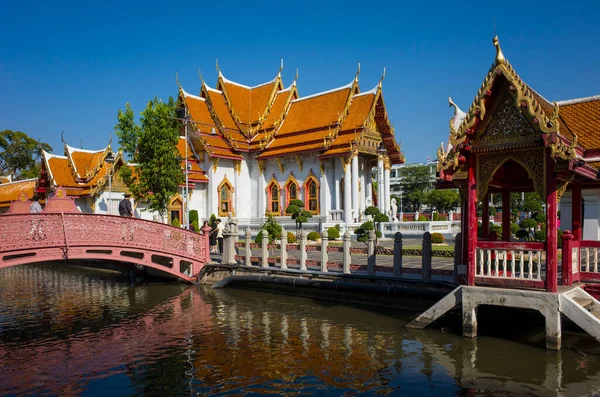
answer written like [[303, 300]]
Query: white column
[[380, 194], [211, 190], [262, 194], [386, 187], [325, 197], [347, 193], [369, 184], [355, 205]]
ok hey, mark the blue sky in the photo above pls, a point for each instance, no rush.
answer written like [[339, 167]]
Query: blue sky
[[69, 66]]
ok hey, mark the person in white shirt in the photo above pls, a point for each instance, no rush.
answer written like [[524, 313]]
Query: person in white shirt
[[35, 207], [220, 228]]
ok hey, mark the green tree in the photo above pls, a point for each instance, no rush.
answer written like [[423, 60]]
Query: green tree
[[127, 131], [20, 154], [363, 231], [158, 172], [442, 200], [299, 214], [416, 180]]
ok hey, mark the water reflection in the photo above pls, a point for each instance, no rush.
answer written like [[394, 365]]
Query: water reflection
[[66, 330]]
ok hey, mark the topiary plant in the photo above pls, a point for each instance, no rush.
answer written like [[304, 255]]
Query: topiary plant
[[313, 236], [514, 228], [175, 222], [272, 227], [299, 214], [437, 238], [291, 238], [422, 218], [194, 226], [528, 223], [194, 218], [333, 233]]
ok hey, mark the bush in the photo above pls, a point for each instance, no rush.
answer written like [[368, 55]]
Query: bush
[[338, 227], [422, 218], [272, 227], [514, 228], [194, 226], [291, 238], [258, 238], [313, 236], [437, 238], [333, 233], [522, 233], [175, 222], [213, 218], [528, 223], [540, 235], [194, 218]]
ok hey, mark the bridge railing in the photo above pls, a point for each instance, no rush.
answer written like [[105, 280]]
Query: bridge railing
[[22, 231]]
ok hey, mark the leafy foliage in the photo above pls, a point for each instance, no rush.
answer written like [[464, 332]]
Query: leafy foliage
[[362, 232], [333, 233], [195, 226], [19, 153], [194, 217], [313, 236], [158, 173], [299, 214], [175, 222], [291, 238], [437, 238], [422, 218], [442, 200], [272, 228], [528, 223]]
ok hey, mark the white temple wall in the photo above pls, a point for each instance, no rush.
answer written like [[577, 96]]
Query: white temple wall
[[591, 213]]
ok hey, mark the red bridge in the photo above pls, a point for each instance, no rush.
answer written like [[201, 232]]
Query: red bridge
[[51, 236]]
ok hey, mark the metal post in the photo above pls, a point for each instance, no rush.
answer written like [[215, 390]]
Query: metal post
[[186, 208]]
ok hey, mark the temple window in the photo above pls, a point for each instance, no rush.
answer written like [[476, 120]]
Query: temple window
[[311, 188], [274, 198], [225, 191], [292, 190]]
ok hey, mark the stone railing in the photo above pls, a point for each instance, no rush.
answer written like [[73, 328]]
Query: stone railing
[[583, 262], [328, 258]]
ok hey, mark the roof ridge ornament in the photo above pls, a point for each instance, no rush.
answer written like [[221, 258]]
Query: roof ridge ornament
[[500, 59], [177, 79], [281, 65], [201, 79]]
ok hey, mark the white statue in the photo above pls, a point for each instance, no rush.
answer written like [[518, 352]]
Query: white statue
[[394, 209]]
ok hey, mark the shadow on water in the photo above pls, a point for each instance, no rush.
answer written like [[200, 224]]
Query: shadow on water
[[71, 331]]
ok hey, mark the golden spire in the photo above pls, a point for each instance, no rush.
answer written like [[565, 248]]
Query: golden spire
[[499, 55], [281, 65], [177, 79]]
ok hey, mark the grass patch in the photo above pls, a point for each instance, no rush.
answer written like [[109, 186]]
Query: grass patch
[[449, 248]]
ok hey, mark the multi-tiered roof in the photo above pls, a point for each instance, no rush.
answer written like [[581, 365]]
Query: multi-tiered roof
[[272, 121]]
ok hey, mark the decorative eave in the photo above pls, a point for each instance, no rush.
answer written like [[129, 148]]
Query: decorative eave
[[104, 180], [218, 123], [452, 158], [279, 122]]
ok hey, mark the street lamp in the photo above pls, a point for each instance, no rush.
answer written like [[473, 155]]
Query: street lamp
[[380, 199], [110, 159], [184, 117]]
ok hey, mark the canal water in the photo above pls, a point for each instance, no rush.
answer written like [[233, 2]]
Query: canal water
[[67, 330]]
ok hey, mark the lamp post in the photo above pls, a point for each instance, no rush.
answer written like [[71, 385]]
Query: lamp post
[[380, 199], [183, 116], [110, 159]]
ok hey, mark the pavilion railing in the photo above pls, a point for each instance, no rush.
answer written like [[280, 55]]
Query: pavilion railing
[[583, 264], [508, 264]]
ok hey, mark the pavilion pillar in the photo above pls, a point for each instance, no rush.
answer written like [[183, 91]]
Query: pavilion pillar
[[355, 206], [464, 229], [506, 214], [576, 212], [471, 220], [347, 192], [380, 194], [386, 185], [551, 226], [485, 217]]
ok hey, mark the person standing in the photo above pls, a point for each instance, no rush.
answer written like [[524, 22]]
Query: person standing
[[35, 207], [213, 237], [125, 208], [220, 228]]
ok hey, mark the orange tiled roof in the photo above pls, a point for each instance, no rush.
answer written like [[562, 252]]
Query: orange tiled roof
[[583, 118], [61, 174], [308, 122], [249, 104], [10, 191]]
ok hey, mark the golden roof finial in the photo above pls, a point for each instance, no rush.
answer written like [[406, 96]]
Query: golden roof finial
[[281, 65], [177, 79], [296, 78], [499, 55]]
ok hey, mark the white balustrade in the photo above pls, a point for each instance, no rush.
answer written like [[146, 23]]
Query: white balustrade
[[525, 264], [589, 259]]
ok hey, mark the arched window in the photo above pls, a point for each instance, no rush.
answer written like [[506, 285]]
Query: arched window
[[274, 205], [225, 192], [311, 194], [292, 190]]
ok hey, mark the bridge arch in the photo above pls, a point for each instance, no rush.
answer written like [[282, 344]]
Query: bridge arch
[[43, 237]]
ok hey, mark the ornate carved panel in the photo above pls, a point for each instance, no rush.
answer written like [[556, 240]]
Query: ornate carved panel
[[533, 160], [507, 126]]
